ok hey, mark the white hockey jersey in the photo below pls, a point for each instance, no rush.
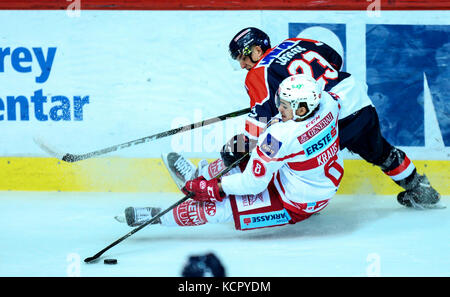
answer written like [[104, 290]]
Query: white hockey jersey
[[302, 158]]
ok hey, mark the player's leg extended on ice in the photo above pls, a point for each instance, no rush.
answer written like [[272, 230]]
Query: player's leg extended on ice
[[182, 170], [188, 213], [366, 140], [247, 211]]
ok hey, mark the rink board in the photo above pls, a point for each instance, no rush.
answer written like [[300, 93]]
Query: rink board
[[81, 101], [150, 175]]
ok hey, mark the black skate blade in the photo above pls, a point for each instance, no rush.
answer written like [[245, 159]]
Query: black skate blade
[[438, 205], [120, 219], [424, 206]]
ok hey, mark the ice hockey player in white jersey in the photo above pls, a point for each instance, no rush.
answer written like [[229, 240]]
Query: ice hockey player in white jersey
[[292, 173]]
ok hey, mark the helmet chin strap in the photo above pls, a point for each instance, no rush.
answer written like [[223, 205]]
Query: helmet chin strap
[[254, 62], [251, 59]]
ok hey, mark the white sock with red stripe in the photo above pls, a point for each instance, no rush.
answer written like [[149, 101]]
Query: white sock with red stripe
[[213, 169], [402, 171]]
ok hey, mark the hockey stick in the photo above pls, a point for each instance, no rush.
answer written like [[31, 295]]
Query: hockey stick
[[155, 218], [67, 157], [96, 256]]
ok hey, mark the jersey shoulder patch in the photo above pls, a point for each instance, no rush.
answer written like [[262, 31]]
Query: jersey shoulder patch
[[270, 146]]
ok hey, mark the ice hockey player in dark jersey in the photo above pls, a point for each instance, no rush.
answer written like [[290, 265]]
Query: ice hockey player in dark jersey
[[358, 121]]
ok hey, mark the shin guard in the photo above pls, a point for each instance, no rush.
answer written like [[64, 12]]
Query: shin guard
[[399, 168], [195, 213]]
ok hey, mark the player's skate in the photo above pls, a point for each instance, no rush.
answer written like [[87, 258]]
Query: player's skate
[[136, 216], [421, 196], [180, 168]]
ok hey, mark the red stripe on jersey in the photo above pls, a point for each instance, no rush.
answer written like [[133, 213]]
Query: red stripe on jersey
[[267, 159], [304, 39], [302, 209], [400, 168], [253, 129], [316, 161], [279, 182], [255, 83], [311, 207], [303, 165]]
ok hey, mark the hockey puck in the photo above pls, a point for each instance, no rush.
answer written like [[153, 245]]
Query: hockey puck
[[110, 261]]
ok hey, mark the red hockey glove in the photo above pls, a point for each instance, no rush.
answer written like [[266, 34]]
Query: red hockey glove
[[204, 190]]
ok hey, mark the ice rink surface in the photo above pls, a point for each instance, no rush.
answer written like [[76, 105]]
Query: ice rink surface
[[50, 234]]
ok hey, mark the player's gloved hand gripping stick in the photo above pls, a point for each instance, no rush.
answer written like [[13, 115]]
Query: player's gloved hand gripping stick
[[155, 218]]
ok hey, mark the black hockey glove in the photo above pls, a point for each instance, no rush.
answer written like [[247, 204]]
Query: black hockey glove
[[235, 148]]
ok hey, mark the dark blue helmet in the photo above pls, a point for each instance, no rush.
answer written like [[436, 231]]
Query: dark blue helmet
[[243, 41]]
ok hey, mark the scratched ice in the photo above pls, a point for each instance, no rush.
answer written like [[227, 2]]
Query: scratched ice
[[49, 234]]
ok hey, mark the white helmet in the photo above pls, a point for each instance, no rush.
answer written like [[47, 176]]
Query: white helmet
[[297, 89]]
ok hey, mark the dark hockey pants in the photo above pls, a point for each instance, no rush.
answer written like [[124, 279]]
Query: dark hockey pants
[[360, 133]]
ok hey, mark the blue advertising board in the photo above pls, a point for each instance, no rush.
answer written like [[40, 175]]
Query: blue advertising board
[[398, 60]]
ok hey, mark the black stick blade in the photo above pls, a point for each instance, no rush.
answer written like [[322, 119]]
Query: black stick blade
[[69, 158], [90, 259]]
